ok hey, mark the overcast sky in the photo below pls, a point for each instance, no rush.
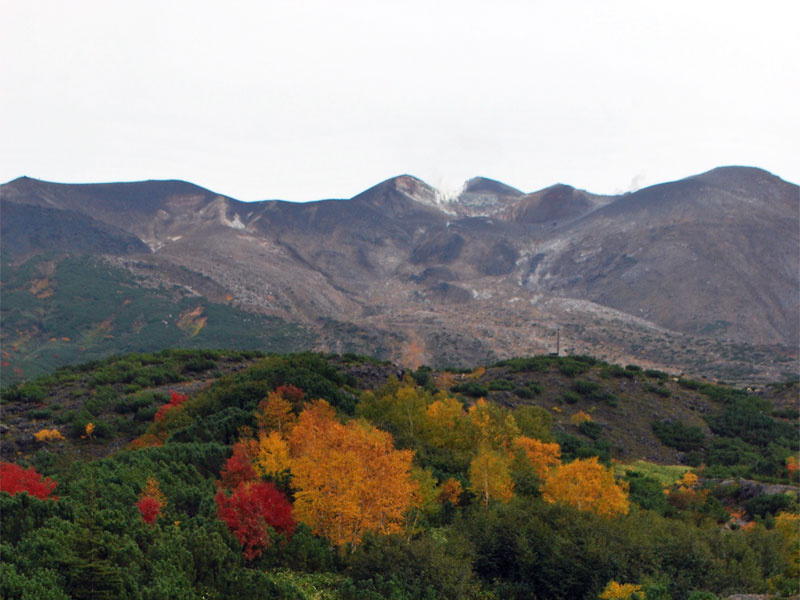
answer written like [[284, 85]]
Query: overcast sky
[[323, 99]]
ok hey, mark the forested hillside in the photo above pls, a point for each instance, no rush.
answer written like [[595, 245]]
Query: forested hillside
[[234, 474]]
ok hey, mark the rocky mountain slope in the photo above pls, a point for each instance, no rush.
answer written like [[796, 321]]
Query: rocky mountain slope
[[699, 275]]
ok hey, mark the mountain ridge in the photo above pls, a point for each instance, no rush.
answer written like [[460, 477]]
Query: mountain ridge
[[711, 259]]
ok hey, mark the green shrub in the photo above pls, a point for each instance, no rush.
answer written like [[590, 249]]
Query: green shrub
[[422, 376], [591, 429], [744, 418], [689, 384], [132, 404], [570, 367], [503, 385], [40, 413], [146, 413], [470, 388], [197, 365], [647, 492], [679, 436], [701, 595], [587, 389], [529, 391], [656, 374], [393, 567], [792, 413], [768, 504], [659, 390], [525, 365], [573, 447], [617, 371], [26, 392]]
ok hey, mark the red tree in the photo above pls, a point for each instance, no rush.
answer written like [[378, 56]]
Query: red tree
[[291, 393], [238, 468], [151, 501], [175, 400], [15, 479], [149, 508], [251, 511]]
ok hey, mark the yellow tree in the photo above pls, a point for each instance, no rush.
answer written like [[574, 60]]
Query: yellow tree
[[492, 425], [542, 456], [275, 413], [446, 427], [489, 475], [534, 422], [580, 417], [425, 499], [621, 591], [272, 457], [349, 478], [586, 485], [444, 423], [398, 406], [787, 527]]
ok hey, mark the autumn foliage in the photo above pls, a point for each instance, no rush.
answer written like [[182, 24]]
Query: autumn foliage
[[272, 458], [542, 456], [15, 479], [580, 417], [586, 485], [252, 512], [349, 478], [620, 591], [151, 501], [792, 466], [239, 467], [175, 400], [275, 413], [450, 491], [686, 494], [149, 509], [48, 435], [490, 477]]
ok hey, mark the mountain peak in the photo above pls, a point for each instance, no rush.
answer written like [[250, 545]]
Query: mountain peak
[[414, 188], [402, 194], [484, 185], [484, 197]]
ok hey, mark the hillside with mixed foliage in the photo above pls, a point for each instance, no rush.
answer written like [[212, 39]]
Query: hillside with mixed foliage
[[220, 474]]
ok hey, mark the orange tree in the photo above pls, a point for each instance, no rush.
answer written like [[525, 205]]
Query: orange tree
[[349, 478], [542, 456]]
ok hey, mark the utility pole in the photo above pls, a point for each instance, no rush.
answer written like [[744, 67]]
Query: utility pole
[[558, 343]]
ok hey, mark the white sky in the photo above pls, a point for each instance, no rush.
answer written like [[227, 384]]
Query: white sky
[[303, 100]]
